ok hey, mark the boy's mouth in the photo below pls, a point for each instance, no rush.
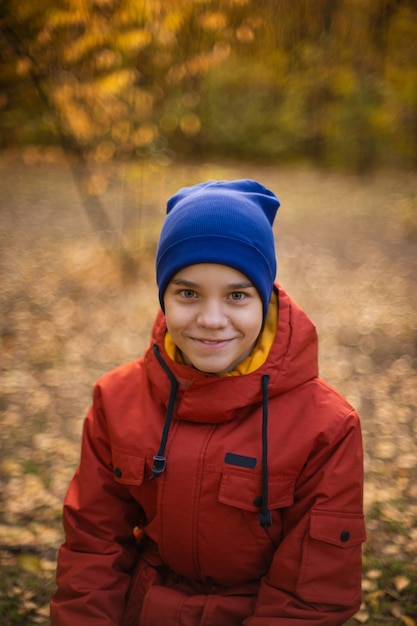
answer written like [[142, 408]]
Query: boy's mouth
[[212, 342]]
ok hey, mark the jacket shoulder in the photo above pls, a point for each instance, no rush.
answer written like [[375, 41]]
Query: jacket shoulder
[[332, 410], [318, 408], [120, 376], [334, 396]]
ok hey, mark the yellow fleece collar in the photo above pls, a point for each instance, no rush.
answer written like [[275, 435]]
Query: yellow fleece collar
[[258, 355]]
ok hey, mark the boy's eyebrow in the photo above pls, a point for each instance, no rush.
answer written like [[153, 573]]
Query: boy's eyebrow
[[245, 284]]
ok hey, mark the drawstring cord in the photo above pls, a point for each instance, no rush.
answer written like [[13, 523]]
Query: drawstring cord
[[264, 514], [159, 460]]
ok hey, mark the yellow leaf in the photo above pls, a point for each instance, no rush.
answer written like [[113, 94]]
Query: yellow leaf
[[215, 20], [116, 81], [134, 40], [190, 124], [29, 562]]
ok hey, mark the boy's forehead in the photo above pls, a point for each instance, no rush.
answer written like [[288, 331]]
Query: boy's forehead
[[205, 272]]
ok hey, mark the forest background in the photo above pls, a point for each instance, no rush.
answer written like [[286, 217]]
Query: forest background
[[107, 107]]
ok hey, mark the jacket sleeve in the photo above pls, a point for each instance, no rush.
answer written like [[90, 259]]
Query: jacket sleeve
[[315, 575], [94, 563]]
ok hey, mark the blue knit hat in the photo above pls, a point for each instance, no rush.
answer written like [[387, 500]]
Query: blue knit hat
[[225, 222]]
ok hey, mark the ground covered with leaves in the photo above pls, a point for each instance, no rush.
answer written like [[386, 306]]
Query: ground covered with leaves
[[347, 253]]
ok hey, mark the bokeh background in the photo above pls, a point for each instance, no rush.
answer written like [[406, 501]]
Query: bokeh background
[[108, 107]]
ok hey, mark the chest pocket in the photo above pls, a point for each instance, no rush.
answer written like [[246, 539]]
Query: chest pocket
[[244, 492], [128, 467]]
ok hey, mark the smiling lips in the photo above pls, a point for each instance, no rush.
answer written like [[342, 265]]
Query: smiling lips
[[212, 342]]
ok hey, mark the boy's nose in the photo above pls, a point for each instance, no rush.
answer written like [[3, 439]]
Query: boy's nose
[[212, 315]]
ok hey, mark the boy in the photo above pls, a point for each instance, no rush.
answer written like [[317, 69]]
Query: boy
[[220, 481]]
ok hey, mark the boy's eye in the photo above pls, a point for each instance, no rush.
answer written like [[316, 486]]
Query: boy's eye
[[237, 295], [187, 293]]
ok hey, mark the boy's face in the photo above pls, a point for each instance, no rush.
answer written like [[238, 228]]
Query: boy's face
[[214, 316]]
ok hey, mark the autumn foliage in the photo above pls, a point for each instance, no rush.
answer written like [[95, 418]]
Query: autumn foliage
[[334, 81]]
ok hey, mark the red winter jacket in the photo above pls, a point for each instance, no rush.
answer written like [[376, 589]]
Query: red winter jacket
[[230, 451]]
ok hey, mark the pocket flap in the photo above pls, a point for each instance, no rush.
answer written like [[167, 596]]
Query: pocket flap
[[339, 529], [244, 491], [128, 466]]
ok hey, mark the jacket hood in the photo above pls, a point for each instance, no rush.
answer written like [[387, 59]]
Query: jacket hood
[[202, 397]]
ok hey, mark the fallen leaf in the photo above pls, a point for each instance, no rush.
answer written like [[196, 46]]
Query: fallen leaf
[[401, 582], [43, 611], [373, 599], [29, 605], [29, 562], [362, 616], [369, 585]]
